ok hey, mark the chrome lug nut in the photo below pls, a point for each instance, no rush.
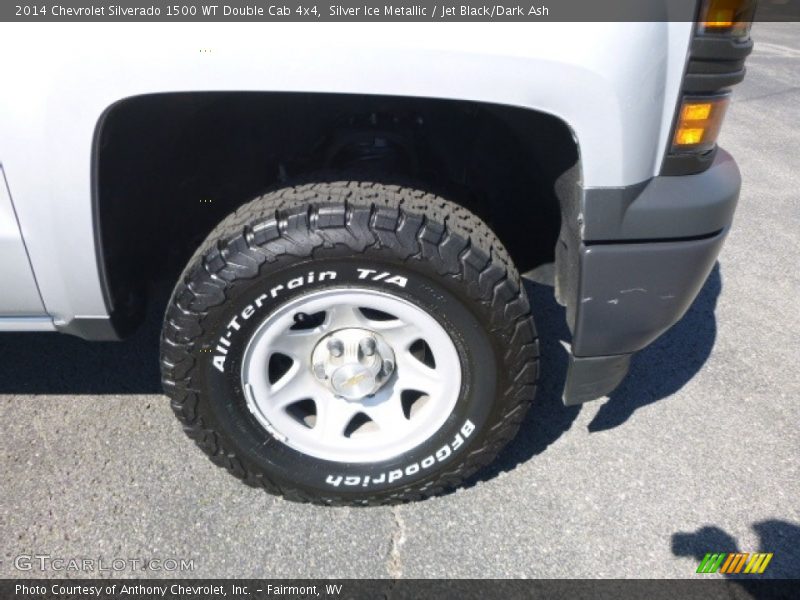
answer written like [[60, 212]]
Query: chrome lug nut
[[319, 371], [367, 346], [335, 347]]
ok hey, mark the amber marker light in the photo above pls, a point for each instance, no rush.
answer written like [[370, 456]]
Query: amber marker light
[[727, 17], [699, 122], [696, 111]]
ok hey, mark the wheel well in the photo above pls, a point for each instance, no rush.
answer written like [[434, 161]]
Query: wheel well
[[169, 167]]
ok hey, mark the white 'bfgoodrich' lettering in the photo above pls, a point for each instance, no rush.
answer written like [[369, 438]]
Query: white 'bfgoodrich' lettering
[[440, 455]]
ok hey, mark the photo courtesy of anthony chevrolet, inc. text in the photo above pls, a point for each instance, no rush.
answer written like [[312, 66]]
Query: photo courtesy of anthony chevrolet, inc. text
[[357, 299]]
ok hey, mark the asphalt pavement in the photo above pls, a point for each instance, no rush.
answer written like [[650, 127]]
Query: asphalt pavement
[[696, 452]]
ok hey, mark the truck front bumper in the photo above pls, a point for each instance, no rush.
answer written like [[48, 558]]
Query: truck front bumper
[[645, 254]]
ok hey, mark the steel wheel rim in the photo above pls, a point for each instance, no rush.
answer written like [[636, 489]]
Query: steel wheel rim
[[303, 412]]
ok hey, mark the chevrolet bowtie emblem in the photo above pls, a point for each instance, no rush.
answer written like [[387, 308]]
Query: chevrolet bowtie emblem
[[355, 379]]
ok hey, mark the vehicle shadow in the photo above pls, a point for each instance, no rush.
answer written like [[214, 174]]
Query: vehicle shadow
[[55, 364], [669, 363], [782, 538], [657, 372]]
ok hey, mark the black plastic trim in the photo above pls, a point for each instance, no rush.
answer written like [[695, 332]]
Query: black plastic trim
[[629, 294], [593, 377], [664, 207], [568, 191], [720, 47], [710, 67], [696, 83], [98, 329], [653, 240], [687, 164]]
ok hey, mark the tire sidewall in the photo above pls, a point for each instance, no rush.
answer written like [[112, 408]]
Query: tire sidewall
[[444, 298]]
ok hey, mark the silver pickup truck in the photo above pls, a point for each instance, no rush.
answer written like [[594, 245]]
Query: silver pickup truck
[[344, 212]]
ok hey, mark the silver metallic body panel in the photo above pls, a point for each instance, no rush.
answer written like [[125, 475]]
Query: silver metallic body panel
[[19, 296]]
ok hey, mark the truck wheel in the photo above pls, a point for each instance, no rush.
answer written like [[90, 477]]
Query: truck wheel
[[350, 342]]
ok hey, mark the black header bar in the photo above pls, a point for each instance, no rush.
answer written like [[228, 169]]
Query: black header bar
[[700, 588], [367, 11]]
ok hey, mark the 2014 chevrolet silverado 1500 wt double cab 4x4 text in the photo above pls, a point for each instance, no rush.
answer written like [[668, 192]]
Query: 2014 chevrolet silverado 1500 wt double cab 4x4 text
[[344, 229]]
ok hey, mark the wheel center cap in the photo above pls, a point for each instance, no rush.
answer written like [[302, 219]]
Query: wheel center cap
[[353, 363], [353, 381]]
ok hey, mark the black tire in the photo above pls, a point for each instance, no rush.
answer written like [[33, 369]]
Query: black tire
[[449, 257]]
